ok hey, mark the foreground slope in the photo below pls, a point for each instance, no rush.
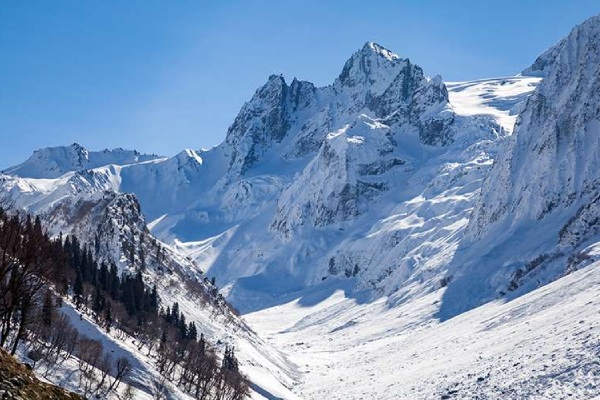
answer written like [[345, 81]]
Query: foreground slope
[[112, 224], [543, 345], [17, 381]]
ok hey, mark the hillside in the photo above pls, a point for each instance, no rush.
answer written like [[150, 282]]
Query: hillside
[[17, 381]]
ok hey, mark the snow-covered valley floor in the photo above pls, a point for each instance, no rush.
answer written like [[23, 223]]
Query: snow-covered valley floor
[[544, 345]]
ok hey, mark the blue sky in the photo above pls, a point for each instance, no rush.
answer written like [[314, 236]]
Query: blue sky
[[160, 76]]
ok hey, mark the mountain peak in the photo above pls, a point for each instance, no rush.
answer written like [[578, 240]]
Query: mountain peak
[[373, 64], [276, 78], [543, 64], [372, 47]]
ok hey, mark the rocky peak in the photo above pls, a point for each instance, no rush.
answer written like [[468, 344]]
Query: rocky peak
[[302, 94], [380, 50], [371, 70], [261, 121], [397, 91]]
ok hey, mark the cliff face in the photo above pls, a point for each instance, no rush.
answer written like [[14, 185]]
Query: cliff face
[[539, 210]]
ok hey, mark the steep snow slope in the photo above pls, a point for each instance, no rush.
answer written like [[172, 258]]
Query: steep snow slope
[[539, 206]]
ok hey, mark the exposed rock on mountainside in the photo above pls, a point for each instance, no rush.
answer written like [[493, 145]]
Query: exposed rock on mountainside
[[18, 382]]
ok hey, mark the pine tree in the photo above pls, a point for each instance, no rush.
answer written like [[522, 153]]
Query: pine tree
[[47, 309], [114, 282], [128, 298], [103, 277], [192, 331], [108, 317], [37, 227], [202, 343], [183, 327], [78, 288], [175, 314], [230, 363], [168, 316], [98, 302], [154, 299]]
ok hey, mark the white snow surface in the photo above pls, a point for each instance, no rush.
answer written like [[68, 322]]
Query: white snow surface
[[501, 97], [543, 345]]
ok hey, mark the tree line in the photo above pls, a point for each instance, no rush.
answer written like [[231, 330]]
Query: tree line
[[37, 272]]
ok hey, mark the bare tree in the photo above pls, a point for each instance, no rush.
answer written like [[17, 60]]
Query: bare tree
[[23, 273], [105, 368], [89, 352], [159, 389], [123, 368]]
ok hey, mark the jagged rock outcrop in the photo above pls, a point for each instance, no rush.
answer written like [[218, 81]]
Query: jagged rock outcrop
[[295, 119]]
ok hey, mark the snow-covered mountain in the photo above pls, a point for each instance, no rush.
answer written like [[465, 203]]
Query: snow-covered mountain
[[53, 162], [340, 182], [363, 209], [538, 210]]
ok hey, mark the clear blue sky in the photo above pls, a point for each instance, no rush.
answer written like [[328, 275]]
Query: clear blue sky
[[160, 76]]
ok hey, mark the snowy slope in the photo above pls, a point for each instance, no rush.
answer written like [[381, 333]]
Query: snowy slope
[[501, 97], [543, 345], [538, 208]]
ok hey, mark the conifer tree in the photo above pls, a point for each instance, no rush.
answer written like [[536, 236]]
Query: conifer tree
[[78, 288], [47, 309]]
